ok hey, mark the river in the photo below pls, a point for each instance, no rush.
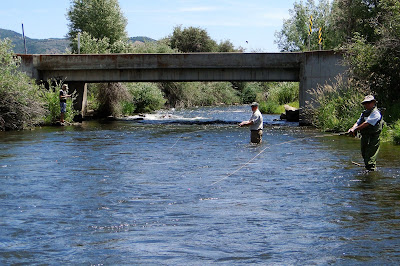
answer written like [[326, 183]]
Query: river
[[185, 187]]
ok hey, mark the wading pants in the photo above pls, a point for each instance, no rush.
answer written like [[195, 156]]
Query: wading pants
[[256, 136], [370, 144]]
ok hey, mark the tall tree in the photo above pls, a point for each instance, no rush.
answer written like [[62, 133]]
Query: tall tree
[[100, 18], [351, 16], [295, 31], [376, 64]]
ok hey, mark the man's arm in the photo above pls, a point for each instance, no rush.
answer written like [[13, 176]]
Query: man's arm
[[357, 127], [246, 123]]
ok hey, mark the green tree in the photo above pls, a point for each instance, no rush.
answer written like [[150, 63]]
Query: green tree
[[354, 16], [192, 39], [99, 18], [376, 64], [226, 47], [294, 34]]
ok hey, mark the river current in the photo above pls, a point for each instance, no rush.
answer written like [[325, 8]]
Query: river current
[[186, 187]]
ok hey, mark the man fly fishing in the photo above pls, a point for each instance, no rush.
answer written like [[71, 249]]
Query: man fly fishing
[[370, 126], [255, 123]]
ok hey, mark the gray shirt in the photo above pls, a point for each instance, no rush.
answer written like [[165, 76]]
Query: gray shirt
[[257, 120]]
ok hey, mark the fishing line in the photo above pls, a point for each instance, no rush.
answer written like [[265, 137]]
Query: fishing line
[[252, 159], [269, 146], [187, 133]]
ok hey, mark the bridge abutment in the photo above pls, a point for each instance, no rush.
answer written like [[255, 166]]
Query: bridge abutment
[[80, 103], [318, 68]]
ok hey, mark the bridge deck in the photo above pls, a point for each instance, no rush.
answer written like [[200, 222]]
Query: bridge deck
[[165, 67]]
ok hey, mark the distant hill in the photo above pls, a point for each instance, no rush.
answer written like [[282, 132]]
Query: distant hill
[[46, 46]]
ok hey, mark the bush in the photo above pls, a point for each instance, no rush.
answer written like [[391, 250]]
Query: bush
[[396, 132], [52, 105], [21, 104], [110, 97], [188, 94], [336, 107], [284, 92], [269, 107], [252, 91], [146, 97]]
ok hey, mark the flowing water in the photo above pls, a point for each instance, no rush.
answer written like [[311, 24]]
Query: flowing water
[[186, 187]]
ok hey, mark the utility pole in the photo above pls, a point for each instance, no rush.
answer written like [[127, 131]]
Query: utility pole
[[79, 42], [23, 36]]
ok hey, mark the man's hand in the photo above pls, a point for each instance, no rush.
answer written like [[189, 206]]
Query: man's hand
[[352, 131]]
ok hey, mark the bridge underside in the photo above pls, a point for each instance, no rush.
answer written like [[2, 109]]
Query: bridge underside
[[311, 69], [165, 75]]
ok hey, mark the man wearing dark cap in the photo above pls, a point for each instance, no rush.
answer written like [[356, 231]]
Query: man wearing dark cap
[[370, 126], [255, 123]]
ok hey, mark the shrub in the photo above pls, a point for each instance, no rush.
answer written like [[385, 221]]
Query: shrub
[[253, 91], [110, 97], [284, 92], [146, 97], [336, 107], [396, 132], [52, 105], [269, 107], [20, 100], [188, 94]]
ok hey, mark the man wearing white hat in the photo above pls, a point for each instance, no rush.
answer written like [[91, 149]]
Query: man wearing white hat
[[370, 126], [255, 123]]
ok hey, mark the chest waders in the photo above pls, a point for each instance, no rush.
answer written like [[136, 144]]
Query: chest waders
[[370, 140]]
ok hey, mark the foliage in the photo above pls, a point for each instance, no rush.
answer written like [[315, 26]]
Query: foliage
[[376, 64], [158, 47], [295, 31], [396, 132], [276, 94], [192, 39], [52, 104], [336, 107], [226, 47], [110, 97], [20, 100], [251, 91], [146, 97], [187, 94], [90, 45], [99, 18], [283, 92], [353, 16]]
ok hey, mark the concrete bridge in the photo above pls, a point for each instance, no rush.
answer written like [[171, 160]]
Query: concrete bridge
[[308, 68]]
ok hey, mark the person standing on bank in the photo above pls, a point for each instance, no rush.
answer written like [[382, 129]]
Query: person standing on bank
[[255, 123], [370, 125], [63, 102]]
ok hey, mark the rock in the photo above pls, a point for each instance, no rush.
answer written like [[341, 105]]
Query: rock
[[291, 113]]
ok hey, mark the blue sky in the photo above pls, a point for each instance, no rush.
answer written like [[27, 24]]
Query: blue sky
[[250, 24]]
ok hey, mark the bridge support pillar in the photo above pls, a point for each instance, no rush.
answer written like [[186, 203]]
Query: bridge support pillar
[[317, 69], [80, 103]]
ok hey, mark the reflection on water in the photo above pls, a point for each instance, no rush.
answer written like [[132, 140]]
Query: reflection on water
[[141, 192]]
